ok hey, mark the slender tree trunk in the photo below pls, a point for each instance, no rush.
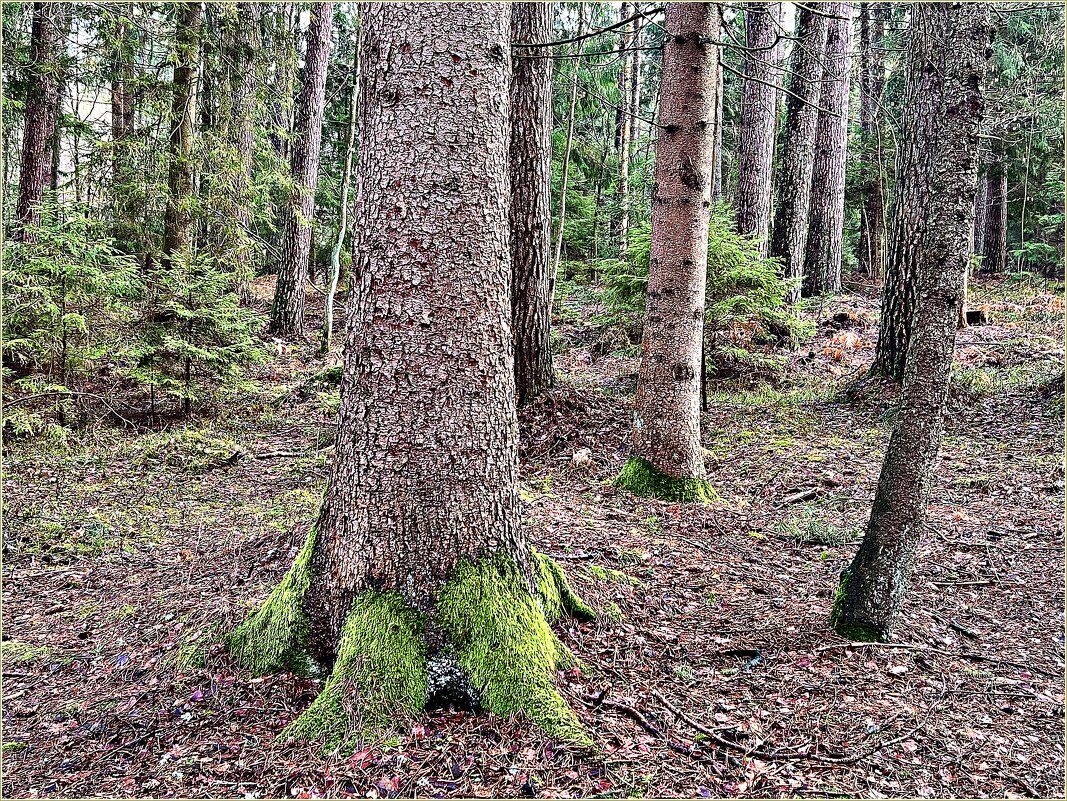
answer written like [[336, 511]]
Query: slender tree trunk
[[417, 583], [635, 89], [283, 51], [666, 456], [790, 235], [287, 312], [755, 156], [826, 221], [177, 223], [872, 85], [981, 207], [342, 227], [720, 89], [938, 166], [530, 166], [624, 128], [558, 249], [996, 219], [39, 115], [246, 50], [122, 127]]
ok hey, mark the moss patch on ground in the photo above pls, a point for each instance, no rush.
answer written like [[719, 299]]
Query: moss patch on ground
[[641, 477]]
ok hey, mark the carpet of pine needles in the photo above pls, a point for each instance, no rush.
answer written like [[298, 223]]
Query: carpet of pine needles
[[714, 673]]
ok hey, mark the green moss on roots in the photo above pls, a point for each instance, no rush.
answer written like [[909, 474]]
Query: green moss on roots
[[641, 477], [274, 637], [556, 594], [502, 639], [378, 676], [851, 629]]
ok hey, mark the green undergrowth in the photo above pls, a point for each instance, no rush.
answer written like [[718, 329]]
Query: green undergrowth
[[494, 627], [641, 477], [18, 652]]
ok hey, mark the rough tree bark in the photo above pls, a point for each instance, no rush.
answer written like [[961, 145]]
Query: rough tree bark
[[40, 114], [417, 584], [666, 456], [287, 311], [755, 156], [826, 220], [996, 219], [178, 220], [790, 234], [938, 166], [531, 199], [872, 84]]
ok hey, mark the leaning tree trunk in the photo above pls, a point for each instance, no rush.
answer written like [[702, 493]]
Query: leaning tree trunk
[[872, 84], [826, 221], [417, 585], [996, 220], [39, 115], [178, 219], [938, 169], [755, 149], [666, 455], [287, 311], [531, 199], [790, 235]]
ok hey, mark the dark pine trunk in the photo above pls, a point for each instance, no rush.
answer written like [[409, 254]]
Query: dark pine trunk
[[666, 455], [872, 84], [417, 586], [178, 221], [790, 234], [531, 197], [938, 166], [996, 220], [826, 221], [40, 114], [287, 311], [759, 105]]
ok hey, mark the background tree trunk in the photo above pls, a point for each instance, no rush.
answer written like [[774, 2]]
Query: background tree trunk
[[531, 199], [624, 127], [667, 460], [568, 142], [996, 220], [417, 583], [949, 48], [287, 311], [179, 218], [755, 155], [790, 235], [871, 250], [826, 222], [981, 207], [39, 114]]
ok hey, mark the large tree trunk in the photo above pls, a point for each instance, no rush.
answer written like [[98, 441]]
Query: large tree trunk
[[826, 221], [755, 157], [39, 114], [790, 235], [287, 311], [938, 168], [996, 219], [417, 584], [872, 84], [178, 220], [666, 456], [531, 199]]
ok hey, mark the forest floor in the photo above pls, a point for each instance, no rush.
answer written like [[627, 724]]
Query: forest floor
[[127, 544]]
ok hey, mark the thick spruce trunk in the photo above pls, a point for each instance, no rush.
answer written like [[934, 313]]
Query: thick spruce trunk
[[666, 456], [40, 114], [826, 221], [530, 164], [872, 84], [759, 106], [790, 234], [950, 44], [417, 585], [178, 220], [996, 220], [287, 311]]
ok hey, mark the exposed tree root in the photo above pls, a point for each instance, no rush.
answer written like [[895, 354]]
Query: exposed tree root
[[641, 477]]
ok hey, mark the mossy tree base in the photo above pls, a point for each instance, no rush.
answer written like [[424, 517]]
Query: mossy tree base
[[641, 477], [494, 629], [846, 625]]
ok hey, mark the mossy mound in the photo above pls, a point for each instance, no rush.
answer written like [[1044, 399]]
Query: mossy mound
[[854, 630], [641, 477], [495, 629]]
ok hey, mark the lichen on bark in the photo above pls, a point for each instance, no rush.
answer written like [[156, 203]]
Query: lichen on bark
[[643, 478]]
